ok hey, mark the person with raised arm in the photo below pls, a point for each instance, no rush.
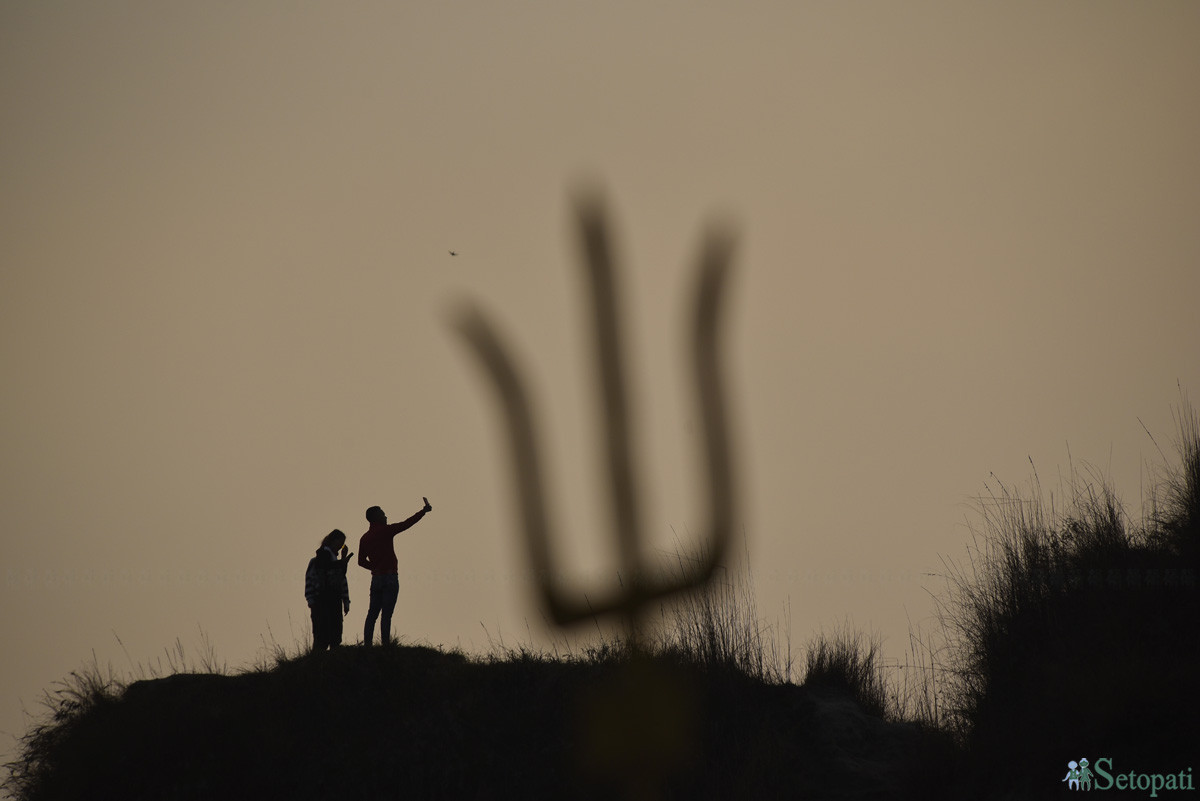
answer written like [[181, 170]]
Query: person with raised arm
[[377, 553]]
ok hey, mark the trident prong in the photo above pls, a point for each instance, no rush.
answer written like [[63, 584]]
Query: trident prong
[[563, 605]]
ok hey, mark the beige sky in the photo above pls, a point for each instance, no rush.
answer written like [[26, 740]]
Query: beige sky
[[968, 239]]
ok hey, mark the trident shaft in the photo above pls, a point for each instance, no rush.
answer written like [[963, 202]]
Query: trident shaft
[[565, 604]]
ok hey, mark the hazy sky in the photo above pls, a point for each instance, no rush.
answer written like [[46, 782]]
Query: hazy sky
[[968, 238]]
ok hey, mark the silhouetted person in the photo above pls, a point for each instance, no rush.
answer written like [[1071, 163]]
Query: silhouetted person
[[327, 591], [377, 553]]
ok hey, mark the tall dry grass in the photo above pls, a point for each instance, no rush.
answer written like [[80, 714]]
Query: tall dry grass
[[1073, 622]]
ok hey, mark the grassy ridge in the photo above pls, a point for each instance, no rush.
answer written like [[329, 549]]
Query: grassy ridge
[[372, 722]]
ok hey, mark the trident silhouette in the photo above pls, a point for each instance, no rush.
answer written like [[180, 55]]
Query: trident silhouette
[[564, 604]]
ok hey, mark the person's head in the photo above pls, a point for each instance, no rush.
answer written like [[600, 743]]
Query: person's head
[[334, 540], [376, 515]]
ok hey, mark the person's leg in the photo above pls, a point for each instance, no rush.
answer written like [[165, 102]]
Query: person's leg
[[391, 588], [315, 612], [373, 610], [321, 627], [335, 623]]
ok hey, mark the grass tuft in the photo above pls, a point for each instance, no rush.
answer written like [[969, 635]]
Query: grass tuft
[[719, 627], [851, 663]]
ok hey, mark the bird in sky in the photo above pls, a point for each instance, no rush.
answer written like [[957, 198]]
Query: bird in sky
[[453, 252]]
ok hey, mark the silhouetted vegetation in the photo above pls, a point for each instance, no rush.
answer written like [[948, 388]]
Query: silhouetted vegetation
[[1075, 630], [852, 664], [721, 629]]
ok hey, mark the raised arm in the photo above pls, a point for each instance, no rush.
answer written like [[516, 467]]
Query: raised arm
[[403, 525]]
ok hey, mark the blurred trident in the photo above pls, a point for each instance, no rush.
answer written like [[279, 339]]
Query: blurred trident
[[564, 604]]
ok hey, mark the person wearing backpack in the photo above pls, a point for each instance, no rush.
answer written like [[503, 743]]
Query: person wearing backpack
[[327, 591]]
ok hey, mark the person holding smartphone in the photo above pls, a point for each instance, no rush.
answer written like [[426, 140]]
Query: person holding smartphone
[[377, 553]]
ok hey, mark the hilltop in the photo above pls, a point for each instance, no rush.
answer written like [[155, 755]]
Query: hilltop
[[418, 722]]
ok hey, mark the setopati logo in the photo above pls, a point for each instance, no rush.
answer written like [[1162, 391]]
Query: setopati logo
[[1082, 775]]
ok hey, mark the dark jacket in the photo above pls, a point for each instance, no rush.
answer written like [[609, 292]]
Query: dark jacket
[[325, 580]]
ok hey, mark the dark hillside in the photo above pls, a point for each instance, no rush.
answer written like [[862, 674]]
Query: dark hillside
[[421, 723]]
